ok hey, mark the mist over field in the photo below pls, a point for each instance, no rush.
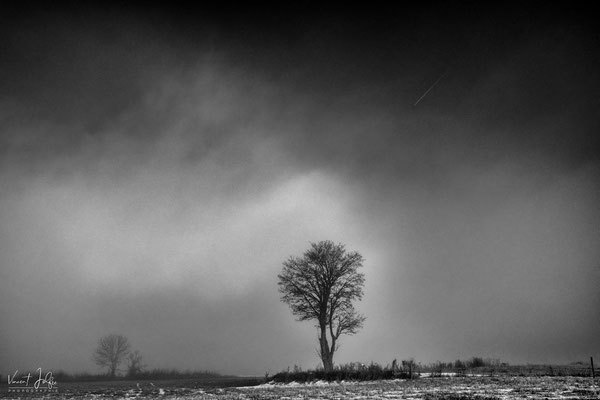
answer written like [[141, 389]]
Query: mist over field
[[158, 164]]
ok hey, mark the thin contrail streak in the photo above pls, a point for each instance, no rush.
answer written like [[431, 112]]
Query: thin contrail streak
[[429, 90]]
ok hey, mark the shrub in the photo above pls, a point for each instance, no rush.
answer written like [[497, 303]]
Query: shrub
[[345, 372]]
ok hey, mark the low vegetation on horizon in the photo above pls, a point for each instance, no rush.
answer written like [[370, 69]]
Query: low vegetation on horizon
[[410, 369]]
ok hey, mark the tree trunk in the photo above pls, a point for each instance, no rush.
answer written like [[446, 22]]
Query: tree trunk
[[326, 354], [328, 363]]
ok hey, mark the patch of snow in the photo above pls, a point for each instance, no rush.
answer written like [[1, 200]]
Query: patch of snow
[[267, 385]]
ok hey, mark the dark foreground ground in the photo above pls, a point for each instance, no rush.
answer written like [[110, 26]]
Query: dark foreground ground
[[451, 388]]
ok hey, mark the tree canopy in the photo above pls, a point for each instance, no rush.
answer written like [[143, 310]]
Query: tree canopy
[[111, 351]]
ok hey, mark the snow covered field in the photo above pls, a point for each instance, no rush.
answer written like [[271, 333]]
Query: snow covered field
[[437, 388], [454, 388]]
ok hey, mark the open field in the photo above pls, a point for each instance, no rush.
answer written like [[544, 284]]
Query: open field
[[454, 388]]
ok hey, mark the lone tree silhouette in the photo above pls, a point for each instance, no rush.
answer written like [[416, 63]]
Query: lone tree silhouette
[[321, 286], [134, 363], [111, 351]]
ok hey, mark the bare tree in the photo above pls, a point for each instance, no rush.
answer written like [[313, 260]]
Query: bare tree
[[409, 365], [111, 351], [321, 286], [134, 363]]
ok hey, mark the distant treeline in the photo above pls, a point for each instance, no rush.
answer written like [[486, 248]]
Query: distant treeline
[[490, 367], [410, 369], [154, 374]]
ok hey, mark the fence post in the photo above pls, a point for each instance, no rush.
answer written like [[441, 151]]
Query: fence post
[[593, 376]]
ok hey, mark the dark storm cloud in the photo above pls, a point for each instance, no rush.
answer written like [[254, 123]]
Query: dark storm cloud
[[158, 165]]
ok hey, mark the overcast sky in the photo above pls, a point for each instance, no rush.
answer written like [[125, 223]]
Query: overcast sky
[[157, 166]]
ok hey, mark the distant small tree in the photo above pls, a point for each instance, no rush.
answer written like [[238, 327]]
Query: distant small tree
[[134, 363], [476, 362], [321, 286], [111, 351], [409, 366]]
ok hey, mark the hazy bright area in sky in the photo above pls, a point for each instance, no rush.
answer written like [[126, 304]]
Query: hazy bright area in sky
[[158, 164]]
